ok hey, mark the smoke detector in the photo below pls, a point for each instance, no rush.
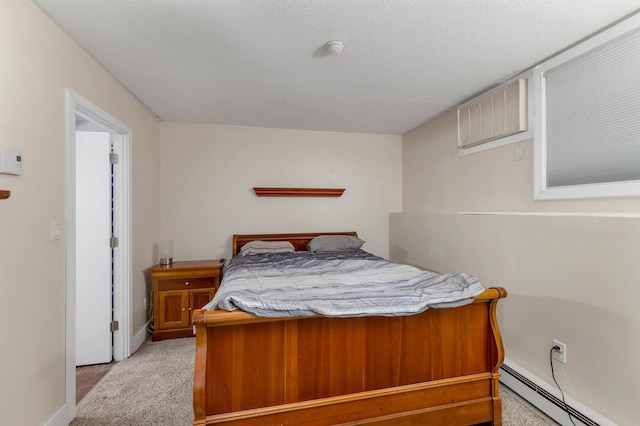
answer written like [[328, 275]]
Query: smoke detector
[[334, 47]]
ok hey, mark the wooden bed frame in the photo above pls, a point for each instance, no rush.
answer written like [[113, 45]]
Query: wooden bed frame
[[439, 367]]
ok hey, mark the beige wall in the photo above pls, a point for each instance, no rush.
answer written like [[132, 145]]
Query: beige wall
[[208, 172], [570, 278], [37, 63]]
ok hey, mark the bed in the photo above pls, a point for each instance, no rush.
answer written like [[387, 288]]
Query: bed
[[436, 367]]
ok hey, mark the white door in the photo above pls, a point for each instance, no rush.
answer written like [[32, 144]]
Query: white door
[[93, 252]]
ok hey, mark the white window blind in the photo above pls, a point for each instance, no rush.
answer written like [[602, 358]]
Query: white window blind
[[592, 121]]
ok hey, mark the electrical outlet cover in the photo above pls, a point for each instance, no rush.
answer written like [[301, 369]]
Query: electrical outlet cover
[[560, 355]]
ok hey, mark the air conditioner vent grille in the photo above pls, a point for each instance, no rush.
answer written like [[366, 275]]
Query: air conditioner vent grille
[[492, 116]]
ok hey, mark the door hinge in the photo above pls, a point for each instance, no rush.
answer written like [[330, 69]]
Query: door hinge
[[113, 242], [113, 326], [113, 158]]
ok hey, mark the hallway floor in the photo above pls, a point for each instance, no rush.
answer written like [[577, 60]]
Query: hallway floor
[[88, 376]]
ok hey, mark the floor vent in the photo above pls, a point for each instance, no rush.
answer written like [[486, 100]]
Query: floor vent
[[577, 415]]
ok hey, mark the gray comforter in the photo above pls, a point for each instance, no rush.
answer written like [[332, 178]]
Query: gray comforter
[[337, 284]]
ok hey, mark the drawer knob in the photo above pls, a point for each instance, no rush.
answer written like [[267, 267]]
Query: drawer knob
[[186, 283], [183, 309]]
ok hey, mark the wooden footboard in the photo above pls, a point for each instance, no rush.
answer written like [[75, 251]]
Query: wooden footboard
[[438, 367]]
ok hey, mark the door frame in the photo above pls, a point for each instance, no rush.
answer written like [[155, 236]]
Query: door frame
[[121, 135]]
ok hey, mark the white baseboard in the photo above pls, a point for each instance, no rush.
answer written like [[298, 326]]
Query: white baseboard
[[61, 417], [533, 389], [140, 337]]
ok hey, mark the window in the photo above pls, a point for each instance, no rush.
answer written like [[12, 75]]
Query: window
[[587, 137]]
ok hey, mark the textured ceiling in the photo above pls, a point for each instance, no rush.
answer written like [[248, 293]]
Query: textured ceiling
[[261, 62]]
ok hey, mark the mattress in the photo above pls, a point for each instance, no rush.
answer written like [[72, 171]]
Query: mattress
[[346, 283]]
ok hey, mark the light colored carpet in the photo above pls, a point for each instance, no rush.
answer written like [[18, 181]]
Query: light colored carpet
[[515, 412], [154, 387]]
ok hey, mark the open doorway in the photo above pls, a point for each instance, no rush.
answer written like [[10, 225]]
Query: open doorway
[[113, 140]]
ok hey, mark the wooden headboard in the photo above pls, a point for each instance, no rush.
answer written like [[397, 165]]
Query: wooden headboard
[[299, 241]]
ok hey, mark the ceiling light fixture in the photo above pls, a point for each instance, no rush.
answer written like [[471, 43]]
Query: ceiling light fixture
[[334, 47]]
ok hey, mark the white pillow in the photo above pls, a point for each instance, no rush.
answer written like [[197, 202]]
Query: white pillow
[[260, 247]]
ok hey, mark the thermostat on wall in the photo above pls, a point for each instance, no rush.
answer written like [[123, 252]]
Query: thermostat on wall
[[10, 161]]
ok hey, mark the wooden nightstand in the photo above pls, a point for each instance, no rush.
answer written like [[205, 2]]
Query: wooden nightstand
[[179, 289]]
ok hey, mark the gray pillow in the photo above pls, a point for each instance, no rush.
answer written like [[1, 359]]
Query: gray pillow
[[334, 243]]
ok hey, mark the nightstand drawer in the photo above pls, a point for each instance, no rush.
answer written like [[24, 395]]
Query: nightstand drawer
[[185, 283]]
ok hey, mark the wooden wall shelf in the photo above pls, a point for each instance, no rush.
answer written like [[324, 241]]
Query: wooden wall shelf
[[298, 192], [4, 194]]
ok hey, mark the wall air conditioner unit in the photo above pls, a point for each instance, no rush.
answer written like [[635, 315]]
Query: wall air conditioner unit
[[494, 115]]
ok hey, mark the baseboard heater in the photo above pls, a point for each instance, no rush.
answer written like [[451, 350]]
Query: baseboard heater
[[577, 415]]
